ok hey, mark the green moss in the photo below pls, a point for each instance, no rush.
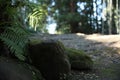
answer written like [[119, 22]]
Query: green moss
[[50, 58], [78, 59], [34, 41]]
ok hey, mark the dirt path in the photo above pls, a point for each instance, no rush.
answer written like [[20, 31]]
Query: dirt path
[[104, 50]]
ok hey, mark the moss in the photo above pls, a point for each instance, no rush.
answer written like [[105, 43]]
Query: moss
[[50, 58], [78, 59], [34, 41]]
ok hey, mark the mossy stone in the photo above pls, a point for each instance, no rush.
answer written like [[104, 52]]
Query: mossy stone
[[79, 60], [50, 58], [15, 70]]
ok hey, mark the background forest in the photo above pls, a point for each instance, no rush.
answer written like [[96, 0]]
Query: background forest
[[70, 16]]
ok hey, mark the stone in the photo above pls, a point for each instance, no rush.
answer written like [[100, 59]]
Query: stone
[[15, 70], [79, 60], [50, 58]]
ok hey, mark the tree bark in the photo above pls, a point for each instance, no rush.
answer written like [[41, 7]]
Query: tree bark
[[110, 17]]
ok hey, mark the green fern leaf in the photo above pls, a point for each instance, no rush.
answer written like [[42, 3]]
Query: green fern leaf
[[16, 39]]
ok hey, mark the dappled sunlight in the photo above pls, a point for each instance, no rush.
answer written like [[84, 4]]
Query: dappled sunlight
[[80, 34], [107, 40], [118, 50]]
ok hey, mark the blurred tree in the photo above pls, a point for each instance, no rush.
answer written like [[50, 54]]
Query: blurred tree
[[70, 12], [116, 5], [88, 16], [111, 17]]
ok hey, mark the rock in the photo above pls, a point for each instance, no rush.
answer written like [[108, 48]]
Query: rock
[[79, 60], [15, 70], [4, 49], [50, 58]]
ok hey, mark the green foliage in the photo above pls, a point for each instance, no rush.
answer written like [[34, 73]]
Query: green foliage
[[64, 29], [79, 60], [13, 25], [16, 39], [70, 13], [37, 17]]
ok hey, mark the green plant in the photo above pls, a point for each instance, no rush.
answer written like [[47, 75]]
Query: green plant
[[16, 39], [14, 17]]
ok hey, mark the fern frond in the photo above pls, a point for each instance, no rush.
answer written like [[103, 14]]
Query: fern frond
[[16, 39]]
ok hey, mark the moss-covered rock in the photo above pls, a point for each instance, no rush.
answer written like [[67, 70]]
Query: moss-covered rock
[[50, 58], [78, 59], [15, 70]]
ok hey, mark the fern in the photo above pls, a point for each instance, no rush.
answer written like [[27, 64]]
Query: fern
[[16, 39]]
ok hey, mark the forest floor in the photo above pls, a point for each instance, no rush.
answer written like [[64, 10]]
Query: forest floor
[[104, 50]]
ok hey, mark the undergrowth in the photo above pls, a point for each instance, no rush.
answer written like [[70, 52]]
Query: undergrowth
[[16, 39]]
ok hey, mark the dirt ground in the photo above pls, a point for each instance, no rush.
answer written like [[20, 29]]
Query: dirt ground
[[103, 49]]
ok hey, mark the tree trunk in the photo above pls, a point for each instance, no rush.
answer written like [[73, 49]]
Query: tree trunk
[[96, 17], [117, 14], [110, 17], [74, 27], [103, 16]]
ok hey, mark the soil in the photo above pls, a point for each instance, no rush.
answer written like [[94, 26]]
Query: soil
[[103, 49]]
